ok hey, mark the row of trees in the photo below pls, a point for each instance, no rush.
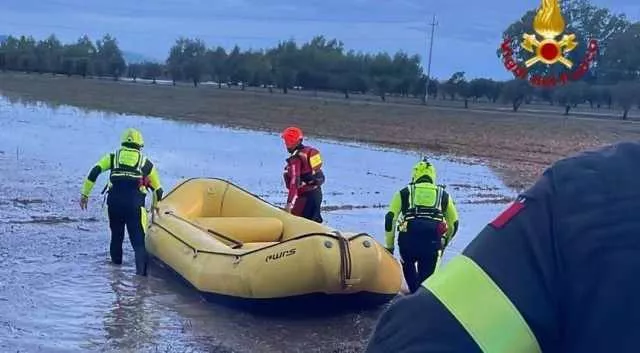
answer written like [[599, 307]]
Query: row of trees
[[322, 64], [624, 94], [83, 58], [319, 64]]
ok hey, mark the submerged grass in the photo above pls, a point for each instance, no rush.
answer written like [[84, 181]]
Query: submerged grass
[[517, 145]]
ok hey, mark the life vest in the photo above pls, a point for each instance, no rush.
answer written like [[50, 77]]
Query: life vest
[[424, 201], [311, 175], [126, 170]]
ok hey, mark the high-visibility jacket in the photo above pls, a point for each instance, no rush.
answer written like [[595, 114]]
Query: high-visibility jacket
[[130, 170], [557, 271], [421, 199]]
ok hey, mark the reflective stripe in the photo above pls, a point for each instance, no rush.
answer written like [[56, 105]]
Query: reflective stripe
[[128, 174], [315, 161], [412, 196], [481, 307], [144, 219]]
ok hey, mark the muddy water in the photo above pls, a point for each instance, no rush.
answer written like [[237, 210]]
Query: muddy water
[[58, 292]]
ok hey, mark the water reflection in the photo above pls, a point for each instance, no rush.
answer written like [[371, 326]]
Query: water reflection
[[126, 323]]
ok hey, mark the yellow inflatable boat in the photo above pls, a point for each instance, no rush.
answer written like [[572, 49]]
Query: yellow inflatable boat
[[230, 244]]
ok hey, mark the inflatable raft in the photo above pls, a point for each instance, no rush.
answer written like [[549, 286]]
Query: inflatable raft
[[230, 244]]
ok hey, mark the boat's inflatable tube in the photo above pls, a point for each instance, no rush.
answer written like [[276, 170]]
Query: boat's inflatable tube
[[226, 241]]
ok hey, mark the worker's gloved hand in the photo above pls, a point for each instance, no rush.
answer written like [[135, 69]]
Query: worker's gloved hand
[[83, 202]]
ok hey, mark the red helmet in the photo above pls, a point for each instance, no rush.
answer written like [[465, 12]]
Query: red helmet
[[292, 136]]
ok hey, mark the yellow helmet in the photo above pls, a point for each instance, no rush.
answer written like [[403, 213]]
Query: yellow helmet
[[132, 136], [423, 168]]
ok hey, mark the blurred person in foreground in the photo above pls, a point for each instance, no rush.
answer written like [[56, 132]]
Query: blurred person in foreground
[[556, 271]]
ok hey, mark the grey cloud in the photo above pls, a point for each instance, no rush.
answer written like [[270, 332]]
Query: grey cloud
[[151, 26]]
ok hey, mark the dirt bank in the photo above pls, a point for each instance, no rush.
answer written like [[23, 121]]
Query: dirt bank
[[518, 146]]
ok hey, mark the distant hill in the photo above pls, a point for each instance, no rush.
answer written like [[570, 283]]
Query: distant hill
[[136, 58]]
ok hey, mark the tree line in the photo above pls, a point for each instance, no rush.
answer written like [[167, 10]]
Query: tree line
[[83, 58], [324, 64]]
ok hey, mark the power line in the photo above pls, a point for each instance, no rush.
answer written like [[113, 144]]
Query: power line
[[433, 25]]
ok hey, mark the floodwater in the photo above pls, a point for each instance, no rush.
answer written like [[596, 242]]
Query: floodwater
[[58, 291]]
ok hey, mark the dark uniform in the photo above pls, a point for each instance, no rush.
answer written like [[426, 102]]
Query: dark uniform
[[557, 271], [427, 220], [303, 177], [131, 174]]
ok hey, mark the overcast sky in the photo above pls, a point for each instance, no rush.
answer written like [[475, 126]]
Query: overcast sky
[[466, 38]]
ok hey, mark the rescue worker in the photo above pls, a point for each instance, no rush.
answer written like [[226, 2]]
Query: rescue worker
[[303, 177], [131, 174], [556, 271], [426, 219]]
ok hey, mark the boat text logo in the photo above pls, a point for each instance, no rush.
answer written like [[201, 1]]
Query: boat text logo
[[548, 45], [280, 255]]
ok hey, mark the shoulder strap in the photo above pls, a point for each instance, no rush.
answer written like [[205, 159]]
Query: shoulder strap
[[440, 192], [303, 153], [143, 162], [140, 161], [404, 199], [412, 195], [116, 159]]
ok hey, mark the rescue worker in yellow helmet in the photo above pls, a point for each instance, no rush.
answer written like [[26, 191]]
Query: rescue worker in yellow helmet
[[131, 174], [556, 271], [426, 219]]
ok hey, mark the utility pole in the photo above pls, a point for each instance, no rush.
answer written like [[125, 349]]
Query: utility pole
[[433, 25]]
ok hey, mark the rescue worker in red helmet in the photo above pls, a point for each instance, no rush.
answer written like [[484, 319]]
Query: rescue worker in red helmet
[[556, 271], [426, 219], [303, 176]]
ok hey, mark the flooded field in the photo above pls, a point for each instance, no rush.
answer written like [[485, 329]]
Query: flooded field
[[58, 291]]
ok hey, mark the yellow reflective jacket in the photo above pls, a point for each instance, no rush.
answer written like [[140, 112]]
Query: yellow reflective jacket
[[125, 164]]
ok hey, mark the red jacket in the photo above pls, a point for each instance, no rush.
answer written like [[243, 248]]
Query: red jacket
[[303, 172]]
